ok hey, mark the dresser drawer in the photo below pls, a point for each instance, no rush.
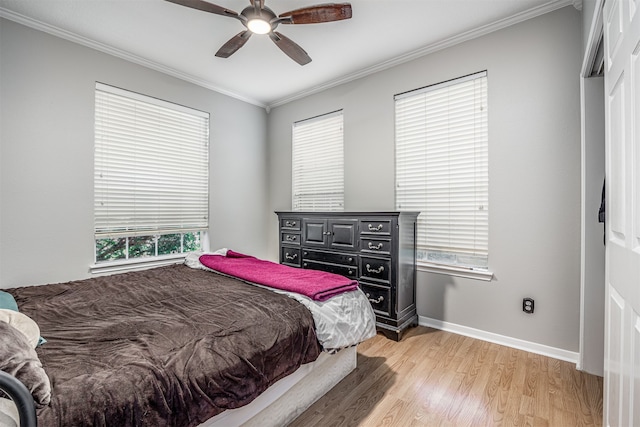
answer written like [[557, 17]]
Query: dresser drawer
[[379, 297], [343, 270], [380, 227], [330, 257], [375, 246], [375, 268], [290, 223], [290, 256], [290, 238]]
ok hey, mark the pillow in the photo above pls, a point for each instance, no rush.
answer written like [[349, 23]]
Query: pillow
[[22, 323], [7, 301], [19, 358]]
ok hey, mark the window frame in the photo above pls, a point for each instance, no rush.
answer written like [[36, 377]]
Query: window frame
[[136, 142], [406, 137]]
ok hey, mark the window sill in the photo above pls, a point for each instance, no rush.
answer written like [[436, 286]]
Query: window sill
[[135, 264], [468, 273]]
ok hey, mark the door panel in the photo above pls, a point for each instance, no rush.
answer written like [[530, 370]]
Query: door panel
[[622, 277], [616, 162], [614, 353]]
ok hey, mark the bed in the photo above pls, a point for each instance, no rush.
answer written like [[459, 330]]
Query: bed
[[183, 345]]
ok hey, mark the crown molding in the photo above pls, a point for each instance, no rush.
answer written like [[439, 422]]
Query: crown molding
[[75, 38], [431, 48]]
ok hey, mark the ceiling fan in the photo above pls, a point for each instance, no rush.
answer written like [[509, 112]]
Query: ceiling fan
[[259, 19]]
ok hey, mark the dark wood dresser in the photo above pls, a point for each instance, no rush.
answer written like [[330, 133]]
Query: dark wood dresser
[[376, 248]]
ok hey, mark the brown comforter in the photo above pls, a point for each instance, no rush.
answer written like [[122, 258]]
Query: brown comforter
[[170, 346]]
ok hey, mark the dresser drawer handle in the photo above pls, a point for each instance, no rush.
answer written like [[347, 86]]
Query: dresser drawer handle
[[291, 238], [375, 301], [375, 247], [291, 257], [290, 223], [377, 271], [372, 228]]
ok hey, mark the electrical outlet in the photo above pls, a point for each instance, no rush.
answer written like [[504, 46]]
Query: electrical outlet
[[527, 305]]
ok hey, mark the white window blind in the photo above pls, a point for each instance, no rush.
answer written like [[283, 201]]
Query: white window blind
[[318, 163], [442, 169], [151, 165]]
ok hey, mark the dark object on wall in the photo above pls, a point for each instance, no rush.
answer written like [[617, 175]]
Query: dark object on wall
[[259, 19], [376, 248], [602, 211], [527, 305]]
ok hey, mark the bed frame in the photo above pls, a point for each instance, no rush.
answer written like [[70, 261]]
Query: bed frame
[[285, 400]]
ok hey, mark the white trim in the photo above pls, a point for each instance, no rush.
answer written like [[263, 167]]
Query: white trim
[[532, 347], [428, 49], [466, 272], [135, 264], [583, 226], [75, 38], [595, 32]]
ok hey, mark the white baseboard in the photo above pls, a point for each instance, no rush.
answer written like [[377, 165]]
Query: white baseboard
[[556, 353]]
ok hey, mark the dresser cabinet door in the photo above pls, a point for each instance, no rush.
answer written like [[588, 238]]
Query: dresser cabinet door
[[314, 232], [342, 234], [327, 233]]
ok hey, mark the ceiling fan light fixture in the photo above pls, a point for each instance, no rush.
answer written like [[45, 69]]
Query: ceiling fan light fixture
[[259, 26]]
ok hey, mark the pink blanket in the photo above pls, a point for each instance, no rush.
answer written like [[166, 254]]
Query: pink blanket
[[317, 285]]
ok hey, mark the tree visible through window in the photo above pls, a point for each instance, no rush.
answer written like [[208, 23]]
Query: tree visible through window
[[151, 178], [442, 169]]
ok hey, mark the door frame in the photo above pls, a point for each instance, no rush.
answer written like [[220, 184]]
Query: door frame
[[591, 309]]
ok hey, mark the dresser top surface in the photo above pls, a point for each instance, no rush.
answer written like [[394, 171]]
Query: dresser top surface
[[348, 213]]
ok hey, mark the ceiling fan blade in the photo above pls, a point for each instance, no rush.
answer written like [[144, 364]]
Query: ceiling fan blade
[[207, 7], [317, 14], [235, 43], [290, 48]]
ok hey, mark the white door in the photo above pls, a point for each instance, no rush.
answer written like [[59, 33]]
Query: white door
[[622, 110]]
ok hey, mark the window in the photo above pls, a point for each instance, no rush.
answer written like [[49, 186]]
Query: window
[[442, 170], [151, 177], [318, 163]]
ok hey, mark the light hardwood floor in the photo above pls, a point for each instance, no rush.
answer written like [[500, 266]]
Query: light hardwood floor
[[436, 378]]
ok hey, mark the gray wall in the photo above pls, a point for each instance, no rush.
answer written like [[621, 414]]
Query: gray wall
[[588, 9], [534, 172], [46, 155]]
